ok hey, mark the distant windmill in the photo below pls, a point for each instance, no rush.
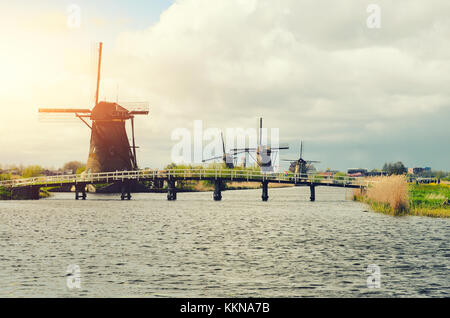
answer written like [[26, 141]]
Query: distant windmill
[[300, 165], [227, 158], [263, 152], [109, 149]]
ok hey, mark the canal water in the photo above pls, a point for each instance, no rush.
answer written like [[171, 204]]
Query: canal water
[[239, 247]]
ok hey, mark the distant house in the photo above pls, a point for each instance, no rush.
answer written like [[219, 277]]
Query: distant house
[[14, 172], [376, 173], [356, 172], [47, 172], [418, 170]]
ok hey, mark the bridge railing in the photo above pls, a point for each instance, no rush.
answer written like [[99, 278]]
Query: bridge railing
[[197, 174]]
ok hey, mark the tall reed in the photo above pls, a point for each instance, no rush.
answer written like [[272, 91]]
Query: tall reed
[[386, 194]]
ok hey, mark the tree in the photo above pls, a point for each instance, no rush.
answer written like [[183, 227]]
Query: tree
[[32, 171], [73, 166], [5, 176], [80, 170], [394, 168]]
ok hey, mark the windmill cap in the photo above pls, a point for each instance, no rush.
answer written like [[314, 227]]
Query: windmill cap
[[105, 111]]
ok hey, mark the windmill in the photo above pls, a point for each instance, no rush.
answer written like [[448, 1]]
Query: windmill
[[110, 148], [300, 165], [263, 152], [227, 158]]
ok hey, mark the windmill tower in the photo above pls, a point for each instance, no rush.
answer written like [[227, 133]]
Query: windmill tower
[[263, 152], [227, 158], [110, 148], [300, 165]]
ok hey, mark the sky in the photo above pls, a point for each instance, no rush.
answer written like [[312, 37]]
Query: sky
[[357, 96]]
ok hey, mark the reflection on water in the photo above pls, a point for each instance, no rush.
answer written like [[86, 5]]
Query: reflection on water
[[239, 247]]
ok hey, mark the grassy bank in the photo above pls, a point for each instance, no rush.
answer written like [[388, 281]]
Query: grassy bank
[[44, 193], [394, 196], [5, 194], [430, 200]]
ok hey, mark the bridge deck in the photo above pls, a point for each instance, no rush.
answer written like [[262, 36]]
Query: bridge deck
[[189, 174]]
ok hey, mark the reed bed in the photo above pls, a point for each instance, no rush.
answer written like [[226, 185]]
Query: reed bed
[[393, 195], [390, 191]]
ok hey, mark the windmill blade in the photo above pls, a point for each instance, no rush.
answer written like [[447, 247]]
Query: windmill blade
[[312, 161], [260, 131], [135, 112], [57, 118], [65, 115], [290, 160], [279, 148], [100, 48], [238, 152], [301, 149], [136, 108], [234, 150], [223, 142], [64, 110], [213, 158]]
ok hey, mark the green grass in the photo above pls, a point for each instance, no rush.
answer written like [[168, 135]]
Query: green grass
[[429, 195], [44, 193], [5, 176], [429, 200], [5, 193]]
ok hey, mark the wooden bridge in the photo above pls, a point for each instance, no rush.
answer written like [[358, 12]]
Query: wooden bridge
[[29, 188]]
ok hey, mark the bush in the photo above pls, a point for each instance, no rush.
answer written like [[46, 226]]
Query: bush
[[32, 171], [73, 166], [80, 170], [5, 176]]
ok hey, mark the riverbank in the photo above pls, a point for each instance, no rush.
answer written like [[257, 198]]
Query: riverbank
[[5, 194], [394, 196]]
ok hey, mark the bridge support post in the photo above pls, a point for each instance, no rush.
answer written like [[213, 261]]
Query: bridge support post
[[217, 190], [126, 190], [80, 191], [171, 190], [35, 193], [158, 183], [313, 193], [265, 191]]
